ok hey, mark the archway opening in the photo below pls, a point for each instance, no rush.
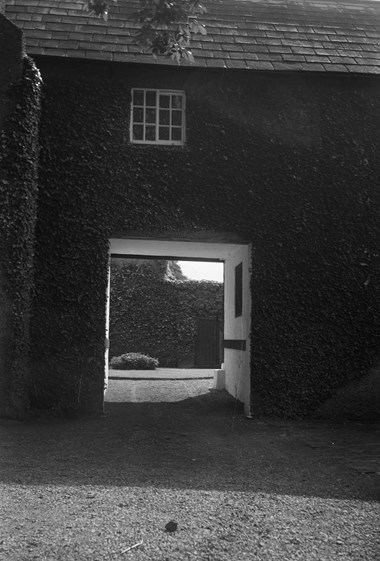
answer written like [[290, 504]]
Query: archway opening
[[234, 372]]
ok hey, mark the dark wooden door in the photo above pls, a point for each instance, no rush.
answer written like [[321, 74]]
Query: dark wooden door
[[208, 343]]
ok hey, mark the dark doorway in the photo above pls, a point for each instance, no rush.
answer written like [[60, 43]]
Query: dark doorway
[[208, 343]]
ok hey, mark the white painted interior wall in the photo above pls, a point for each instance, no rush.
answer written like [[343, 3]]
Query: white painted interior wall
[[177, 249], [107, 334], [237, 362]]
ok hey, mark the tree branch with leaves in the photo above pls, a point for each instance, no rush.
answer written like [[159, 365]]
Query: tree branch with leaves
[[167, 26]]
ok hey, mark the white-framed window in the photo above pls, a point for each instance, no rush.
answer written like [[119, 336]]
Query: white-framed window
[[157, 116]]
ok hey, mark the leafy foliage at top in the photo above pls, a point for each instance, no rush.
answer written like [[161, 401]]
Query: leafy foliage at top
[[99, 8], [166, 25]]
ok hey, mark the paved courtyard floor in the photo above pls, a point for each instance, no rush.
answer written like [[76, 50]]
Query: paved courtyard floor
[[162, 374], [239, 489]]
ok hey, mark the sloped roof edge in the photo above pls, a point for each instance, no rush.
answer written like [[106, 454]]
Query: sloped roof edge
[[298, 35]]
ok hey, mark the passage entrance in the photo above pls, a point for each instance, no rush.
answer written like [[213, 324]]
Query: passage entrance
[[235, 357], [208, 343]]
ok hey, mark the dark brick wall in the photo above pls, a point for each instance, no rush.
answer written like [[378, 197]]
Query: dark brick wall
[[287, 161]]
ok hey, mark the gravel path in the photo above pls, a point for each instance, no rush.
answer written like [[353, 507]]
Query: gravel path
[[239, 489]]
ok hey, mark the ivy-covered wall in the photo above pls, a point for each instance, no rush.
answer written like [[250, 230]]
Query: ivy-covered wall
[[155, 313], [288, 162], [19, 147]]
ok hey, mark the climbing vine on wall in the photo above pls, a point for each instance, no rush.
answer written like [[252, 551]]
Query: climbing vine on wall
[[301, 186], [19, 147]]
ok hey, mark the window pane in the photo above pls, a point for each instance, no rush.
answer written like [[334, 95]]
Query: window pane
[[177, 102], [157, 116], [176, 133], [177, 118], [150, 133], [164, 133], [151, 99], [138, 132], [138, 97], [138, 115], [164, 117], [150, 116], [164, 100]]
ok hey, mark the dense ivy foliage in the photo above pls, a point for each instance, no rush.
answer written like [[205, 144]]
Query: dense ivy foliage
[[19, 148], [157, 315], [287, 162]]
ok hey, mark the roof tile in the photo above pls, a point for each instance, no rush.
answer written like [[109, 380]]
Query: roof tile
[[279, 49], [268, 42], [364, 61], [313, 59], [236, 64], [243, 56], [342, 59], [33, 42], [288, 66], [98, 55], [302, 50], [367, 55], [232, 48], [259, 65], [314, 67], [334, 67], [270, 57], [297, 36], [364, 69], [212, 63], [301, 35], [293, 58]]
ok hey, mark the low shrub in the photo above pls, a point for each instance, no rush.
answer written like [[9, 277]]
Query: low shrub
[[133, 361]]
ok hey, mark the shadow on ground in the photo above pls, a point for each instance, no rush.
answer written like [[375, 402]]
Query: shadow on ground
[[204, 442]]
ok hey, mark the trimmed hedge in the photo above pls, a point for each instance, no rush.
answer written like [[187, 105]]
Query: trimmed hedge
[[153, 312]]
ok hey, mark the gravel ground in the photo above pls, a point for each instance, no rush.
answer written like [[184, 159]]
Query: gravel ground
[[239, 489]]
